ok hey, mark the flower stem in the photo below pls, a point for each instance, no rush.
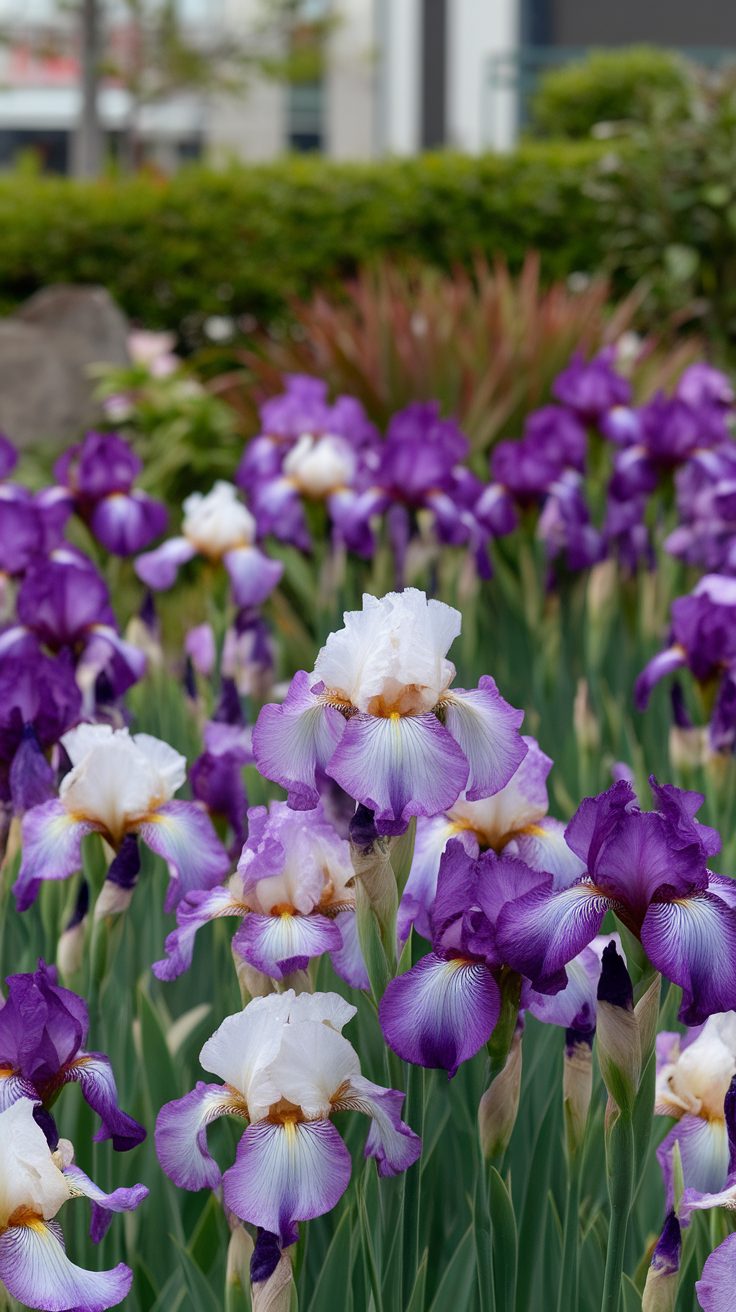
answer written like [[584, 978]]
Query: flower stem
[[568, 1291], [620, 1170]]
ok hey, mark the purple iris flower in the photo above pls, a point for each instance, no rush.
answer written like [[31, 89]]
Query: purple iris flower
[[442, 1011], [43, 1028], [303, 408], [99, 474], [564, 525], [703, 636], [626, 534], [650, 868], [590, 388], [377, 714], [706, 504], [64, 604], [701, 384], [671, 431], [217, 774], [39, 701]]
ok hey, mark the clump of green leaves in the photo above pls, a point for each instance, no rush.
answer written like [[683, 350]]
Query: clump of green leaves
[[610, 87]]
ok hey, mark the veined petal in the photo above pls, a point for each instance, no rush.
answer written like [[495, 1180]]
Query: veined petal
[[159, 568], [93, 1073], [440, 1012], [541, 932], [348, 960], [13, 1087], [286, 1173], [181, 1134], [703, 1152], [487, 729], [692, 941], [183, 835], [35, 1269], [393, 1144], [192, 913], [103, 1205], [52, 848], [399, 766], [716, 1285], [278, 945], [292, 741], [253, 576]]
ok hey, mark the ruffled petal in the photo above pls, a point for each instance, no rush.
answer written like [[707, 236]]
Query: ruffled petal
[[181, 1134], [394, 1144], [103, 1205], [487, 729], [278, 945], [286, 1173], [253, 576], [441, 1012], [35, 1269], [93, 1073], [541, 932], [348, 960], [194, 911], [159, 568], [292, 741], [704, 1154], [692, 941], [52, 848], [399, 766], [183, 835], [716, 1285]]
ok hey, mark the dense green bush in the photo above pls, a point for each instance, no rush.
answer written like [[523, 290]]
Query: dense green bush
[[243, 241], [610, 86]]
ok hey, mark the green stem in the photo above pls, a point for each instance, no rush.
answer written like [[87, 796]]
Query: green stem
[[568, 1291], [620, 1170]]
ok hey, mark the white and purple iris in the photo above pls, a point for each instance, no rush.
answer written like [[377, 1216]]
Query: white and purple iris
[[34, 1185], [286, 1068], [694, 1073], [120, 786], [377, 714], [219, 527], [293, 893]]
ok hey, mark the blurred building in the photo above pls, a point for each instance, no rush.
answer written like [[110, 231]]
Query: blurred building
[[399, 75]]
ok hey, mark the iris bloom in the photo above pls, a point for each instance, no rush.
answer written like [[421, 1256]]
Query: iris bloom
[[219, 527], [650, 868], [42, 1032], [34, 1185], [98, 476], [291, 891], [286, 1069], [694, 1072], [119, 786], [514, 820], [377, 714]]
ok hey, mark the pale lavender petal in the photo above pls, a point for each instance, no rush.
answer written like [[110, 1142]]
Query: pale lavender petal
[[106, 651], [441, 1012], [52, 848], [544, 930], [664, 663], [575, 1006], [718, 1281], [35, 1269], [399, 767], [432, 836], [704, 1154], [183, 835], [285, 1173], [487, 729], [92, 1071], [543, 847], [393, 1144], [104, 1205], [292, 741], [253, 576], [348, 960], [181, 1134], [692, 941], [194, 911], [278, 945], [159, 568]]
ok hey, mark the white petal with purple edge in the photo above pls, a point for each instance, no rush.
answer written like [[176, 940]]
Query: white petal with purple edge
[[183, 835], [52, 848], [280, 944], [692, 941], [440, 1013], [253, 576], [35, 1269], [393, 1144], [703, 1153], [103, 1205], [487, 729], [92, 1071], [181, 1134], [399, 766], [196, 910], [286, 1173], [159, 568], [291, 741]]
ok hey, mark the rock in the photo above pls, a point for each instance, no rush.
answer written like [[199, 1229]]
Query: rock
[[46, 349]]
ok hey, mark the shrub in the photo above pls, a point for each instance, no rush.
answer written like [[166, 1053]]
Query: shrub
[[610, 86]]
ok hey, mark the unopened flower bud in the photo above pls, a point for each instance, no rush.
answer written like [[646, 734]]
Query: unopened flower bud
[[499, 1105], [371, 857], [239, 1254], [585, 723], [619, 1051], [271, 1275], [660, 1291], [577, 1087], [601, 589]]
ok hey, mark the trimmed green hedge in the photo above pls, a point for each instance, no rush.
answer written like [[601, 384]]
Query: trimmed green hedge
[[609, 86], [245, 240]]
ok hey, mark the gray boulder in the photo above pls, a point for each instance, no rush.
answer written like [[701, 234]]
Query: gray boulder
[[46, 349]]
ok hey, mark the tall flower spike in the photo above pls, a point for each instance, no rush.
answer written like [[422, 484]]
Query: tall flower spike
[[119, 785], [378, 715]]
